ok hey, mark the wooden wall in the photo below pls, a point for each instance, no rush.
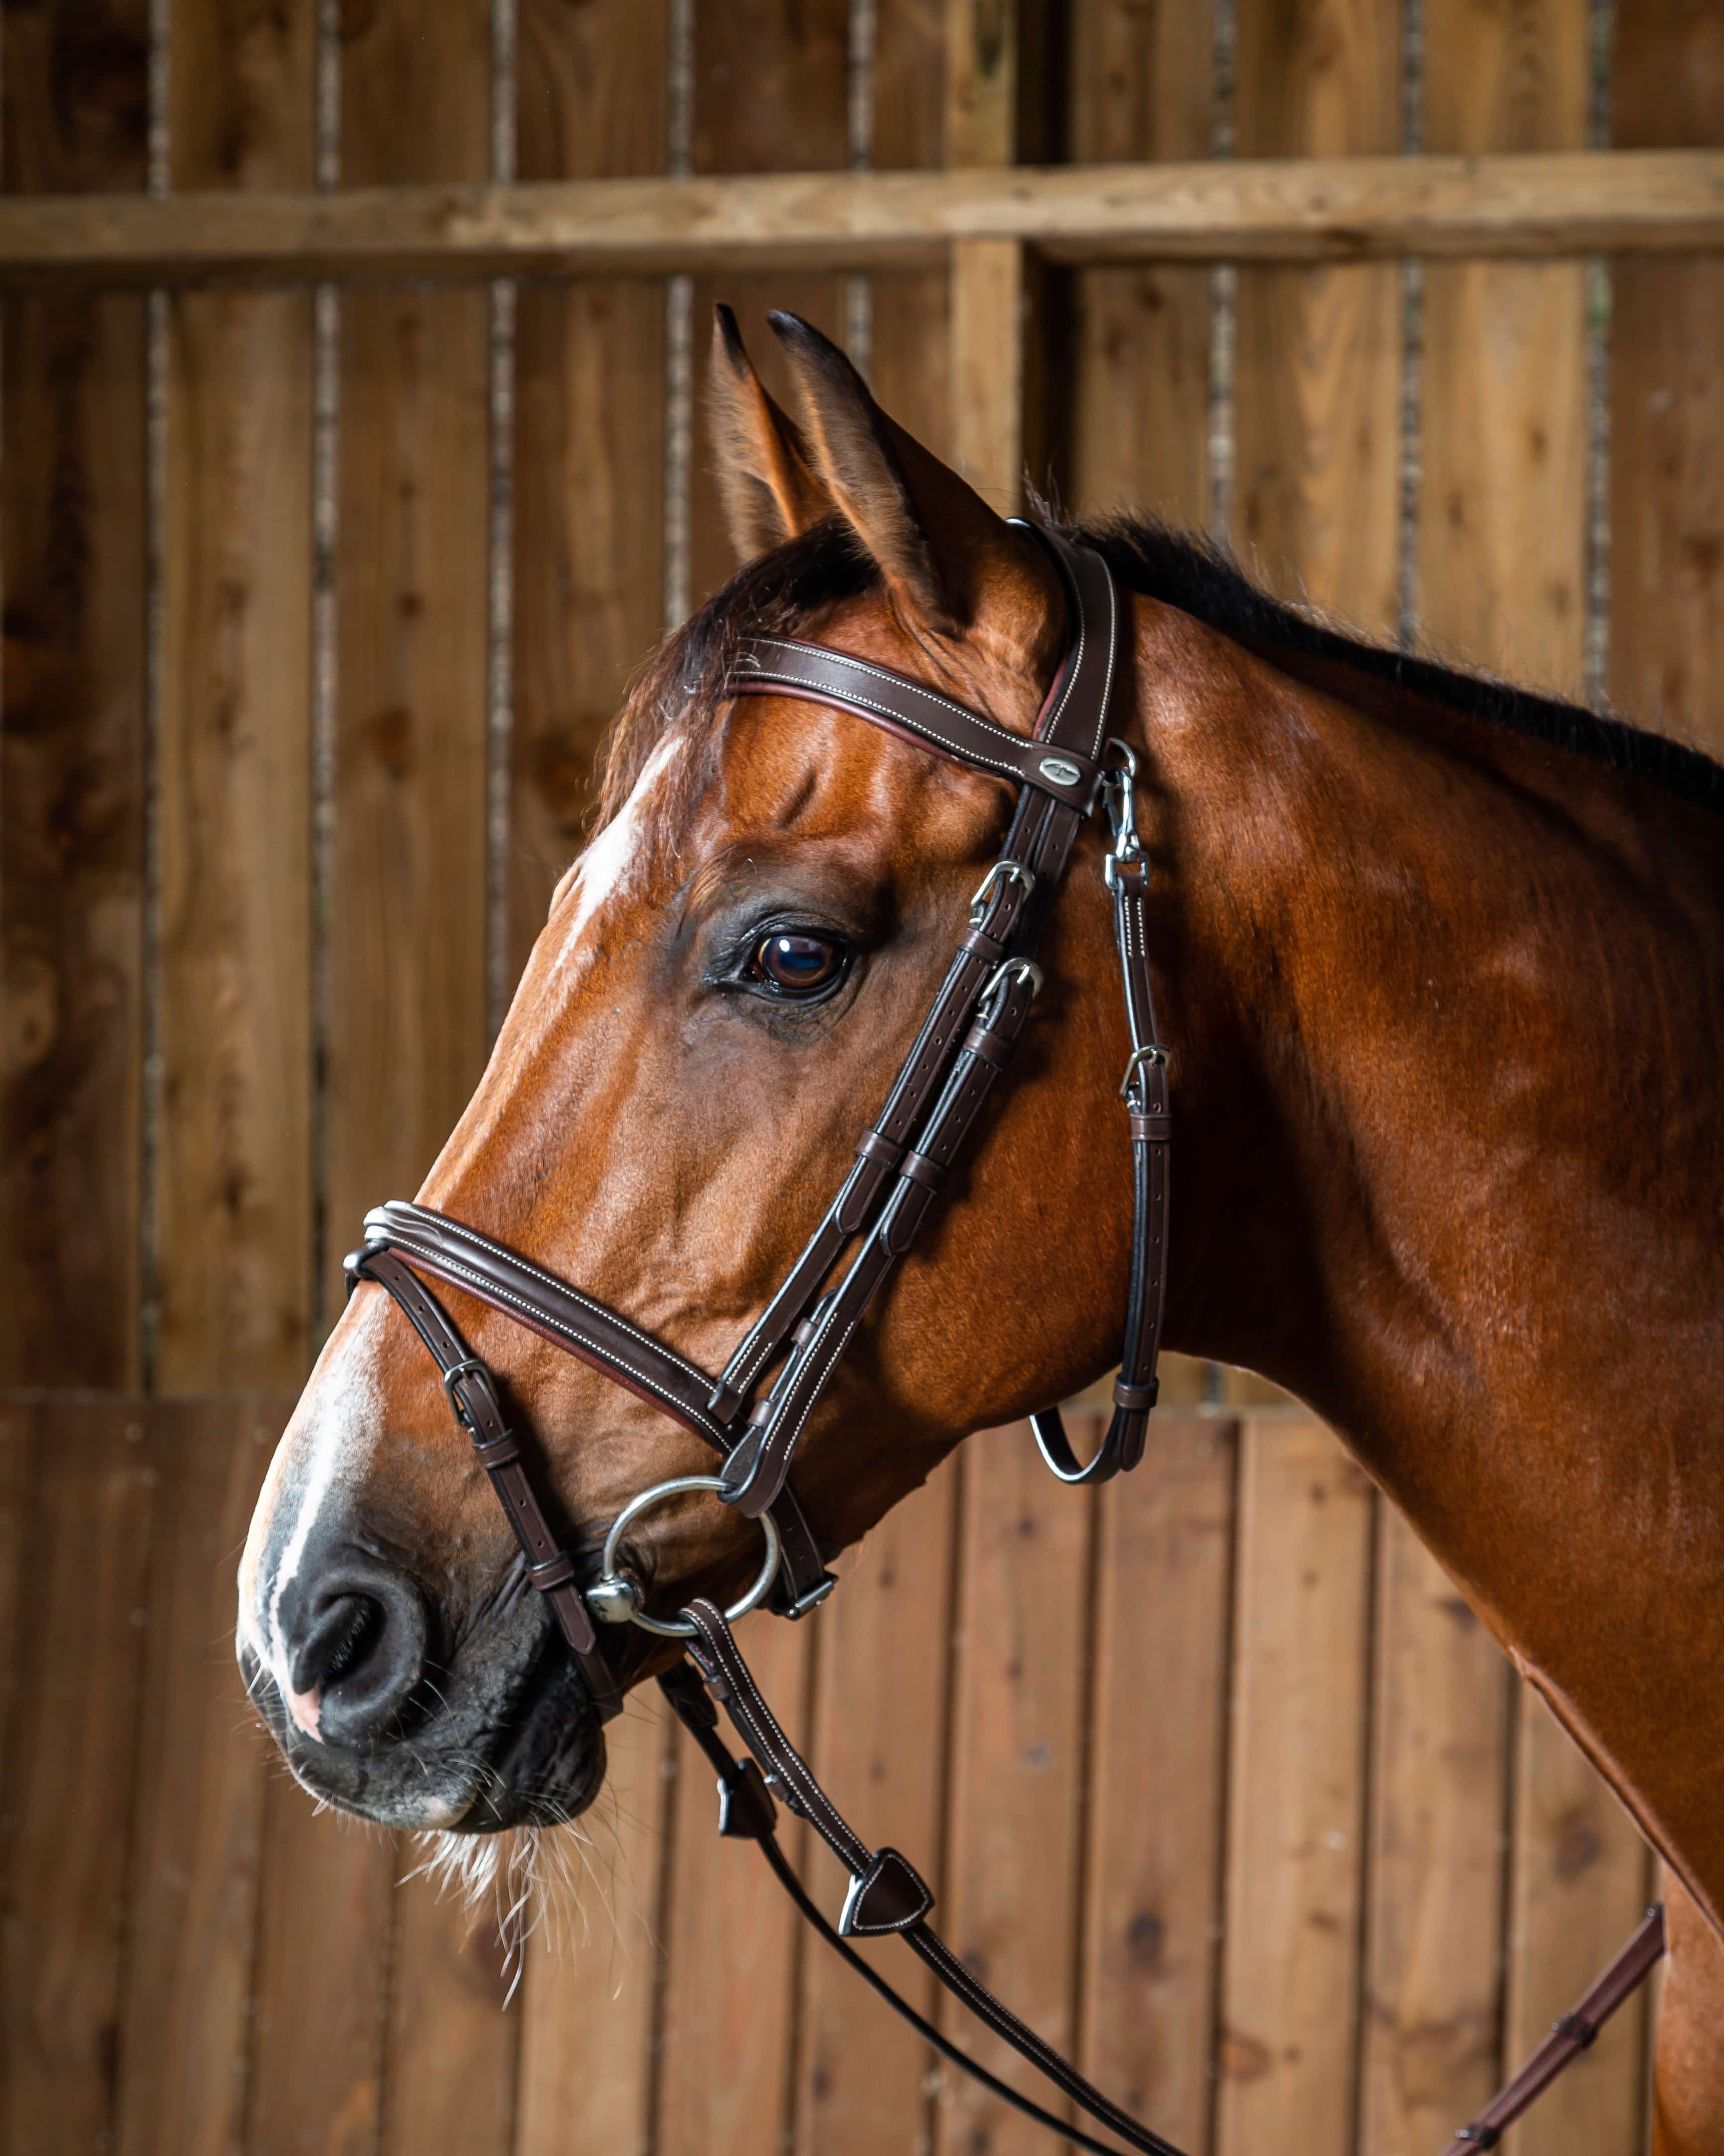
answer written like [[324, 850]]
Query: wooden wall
[[316, 605]]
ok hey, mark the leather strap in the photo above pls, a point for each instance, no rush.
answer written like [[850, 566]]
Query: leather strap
[[1149, 1111], [1575, 2033], [473, 1399], [901, 1900], [430, 1242], [781, 665], [1073, 722]]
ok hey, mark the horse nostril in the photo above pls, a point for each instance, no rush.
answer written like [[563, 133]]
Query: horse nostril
[[356, 1650]]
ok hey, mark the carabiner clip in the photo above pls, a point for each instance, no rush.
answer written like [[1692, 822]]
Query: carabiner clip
[[1119, 783]]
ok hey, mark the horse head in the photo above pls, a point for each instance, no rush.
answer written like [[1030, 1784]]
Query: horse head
[[730, 974]]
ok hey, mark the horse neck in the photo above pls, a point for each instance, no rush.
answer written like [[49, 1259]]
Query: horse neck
[[1393, 938]]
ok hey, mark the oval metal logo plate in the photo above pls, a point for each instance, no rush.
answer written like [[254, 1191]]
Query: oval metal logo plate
[[1061, 770]]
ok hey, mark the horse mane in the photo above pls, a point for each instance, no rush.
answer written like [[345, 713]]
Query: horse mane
[[1200, 577], [681, 688]]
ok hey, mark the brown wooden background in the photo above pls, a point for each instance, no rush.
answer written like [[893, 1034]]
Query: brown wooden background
[[316, 603]]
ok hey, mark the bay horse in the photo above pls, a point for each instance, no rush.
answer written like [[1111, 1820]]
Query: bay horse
[[1440, 966]]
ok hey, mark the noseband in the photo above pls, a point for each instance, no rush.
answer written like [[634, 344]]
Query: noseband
[[753, 1414]]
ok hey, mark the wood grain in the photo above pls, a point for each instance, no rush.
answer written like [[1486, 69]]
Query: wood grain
[[771, 94], [198, 1800], [590, 406], [594, 1970], [1667, 402], [881, 1683], [1013, 1899], [1438, 1817], [1578, 1889], [450, 2073], [1296, 1814], [1157, 1780], [981, 81], [1316, 388], [732, 1943], [1343, 207], [1502, 540], [72, 545], [235, 1167], [988, 368], [69, 1773], [1142, 87]]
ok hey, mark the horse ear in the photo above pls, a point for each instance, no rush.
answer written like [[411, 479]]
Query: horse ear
[[941, 548], [768, 485]]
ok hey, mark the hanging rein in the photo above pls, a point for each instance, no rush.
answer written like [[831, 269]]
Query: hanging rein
[[1070, 764]]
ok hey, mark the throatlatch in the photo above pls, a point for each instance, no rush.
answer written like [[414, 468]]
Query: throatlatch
[[754, 1415]]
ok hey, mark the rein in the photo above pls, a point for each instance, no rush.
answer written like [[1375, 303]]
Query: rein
[[753, 1416]]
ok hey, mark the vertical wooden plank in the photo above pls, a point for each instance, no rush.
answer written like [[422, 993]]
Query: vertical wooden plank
[[234, 1251], [1667, 400], [1141, 90], [1012, 1888], [724, 2053], [909, 371], [408, 992], [72, 548], [981, 81], [590, 424], [988, 368], [1579, 1888], [198, 1811], [771, 94], [592, 1975], [1502, 504], [1296, 1796], [1157, 1793], [68, 1775], [1438, 1816], [451, 2058], [1317, 381], [879, 1718], [316, 2071]]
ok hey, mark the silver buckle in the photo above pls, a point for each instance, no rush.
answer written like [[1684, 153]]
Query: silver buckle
[[1155, 1053], [1012, 969], [470, 1367], [1015, 871]]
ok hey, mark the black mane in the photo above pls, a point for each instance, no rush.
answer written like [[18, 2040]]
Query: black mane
[[1202, 579], [682, 685]]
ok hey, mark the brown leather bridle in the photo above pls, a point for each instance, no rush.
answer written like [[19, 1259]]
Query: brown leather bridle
[[753, 1415]]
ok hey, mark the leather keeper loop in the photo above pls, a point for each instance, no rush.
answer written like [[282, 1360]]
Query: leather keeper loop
[[555, 1571], [918, 1167], [1138, 1397], [873, 1147], [981, 945], [1156, 1129], [987, 1047], [759, 1415], [494, 1452]]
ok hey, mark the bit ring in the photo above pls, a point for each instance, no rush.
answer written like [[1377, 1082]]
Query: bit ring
[[678, 1628]]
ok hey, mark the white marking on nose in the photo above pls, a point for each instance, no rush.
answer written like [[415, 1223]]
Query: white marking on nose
[[347, 1419]]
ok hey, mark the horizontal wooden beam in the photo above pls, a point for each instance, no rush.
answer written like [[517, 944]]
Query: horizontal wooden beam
[[1287, 210]]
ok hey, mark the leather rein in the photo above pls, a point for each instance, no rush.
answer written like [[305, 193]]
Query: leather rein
[[753, 1414]]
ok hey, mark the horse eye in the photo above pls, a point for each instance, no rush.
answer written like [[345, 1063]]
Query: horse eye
[[797, 965]]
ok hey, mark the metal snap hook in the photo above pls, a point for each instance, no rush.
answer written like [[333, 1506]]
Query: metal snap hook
[[616, 1599], [1119, 781]]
